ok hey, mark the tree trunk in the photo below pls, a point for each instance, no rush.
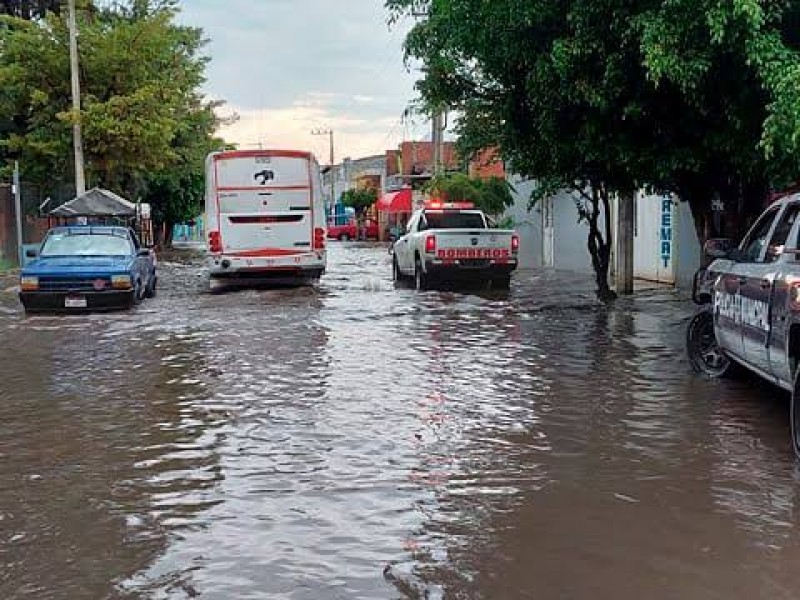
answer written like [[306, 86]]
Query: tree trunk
[[599, 246]]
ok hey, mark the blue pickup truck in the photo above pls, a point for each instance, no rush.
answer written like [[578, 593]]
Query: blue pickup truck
[[88, 267]]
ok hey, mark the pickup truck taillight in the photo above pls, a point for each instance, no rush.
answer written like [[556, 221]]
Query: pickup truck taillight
[[319, 238], [430, 244], [214, 242], [514, 244]]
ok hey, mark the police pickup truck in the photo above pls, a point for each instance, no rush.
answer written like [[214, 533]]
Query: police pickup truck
[[750, 298], [454, 242]]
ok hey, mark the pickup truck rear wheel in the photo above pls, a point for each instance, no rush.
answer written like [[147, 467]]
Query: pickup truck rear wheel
[[150, 290], [397, 275], [138, 292], [502, 282], [705, 355], [344, 237], [421, 280]]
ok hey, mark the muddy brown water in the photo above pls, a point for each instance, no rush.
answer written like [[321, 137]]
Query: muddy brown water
[[359, 441]]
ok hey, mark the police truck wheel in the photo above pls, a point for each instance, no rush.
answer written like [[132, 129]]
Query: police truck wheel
[[794, 415], [705, 355], [421, 282]]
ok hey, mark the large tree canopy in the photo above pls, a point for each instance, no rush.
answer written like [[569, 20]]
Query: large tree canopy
[[146, 126], [605, 96]]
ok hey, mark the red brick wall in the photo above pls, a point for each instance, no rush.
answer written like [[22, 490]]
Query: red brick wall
[[418, 157], [487, 164], [392, 162]]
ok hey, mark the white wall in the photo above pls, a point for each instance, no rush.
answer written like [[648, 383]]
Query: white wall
[[527, 223], [666, 248]]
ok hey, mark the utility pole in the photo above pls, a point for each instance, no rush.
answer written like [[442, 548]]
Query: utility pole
[[17, 189], [329, 133], [437, 138], [77, 135], [625, 241]]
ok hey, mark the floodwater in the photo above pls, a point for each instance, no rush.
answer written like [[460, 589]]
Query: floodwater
[[359, 441]]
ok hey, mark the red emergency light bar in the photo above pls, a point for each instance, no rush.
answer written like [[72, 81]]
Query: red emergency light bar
[[439, 205]]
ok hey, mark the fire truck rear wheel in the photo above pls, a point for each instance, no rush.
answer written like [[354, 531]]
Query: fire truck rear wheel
[[421, 280], [501, 283]]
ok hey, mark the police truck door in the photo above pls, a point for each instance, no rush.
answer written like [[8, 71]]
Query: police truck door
[[755, 276], [757, 288]]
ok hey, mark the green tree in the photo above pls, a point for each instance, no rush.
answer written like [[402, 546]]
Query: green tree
[[491, 195], [603, 98], [146, 125], [360, 199]]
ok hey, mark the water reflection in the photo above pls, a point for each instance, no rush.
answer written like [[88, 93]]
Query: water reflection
[[362, 441], [75, 495]]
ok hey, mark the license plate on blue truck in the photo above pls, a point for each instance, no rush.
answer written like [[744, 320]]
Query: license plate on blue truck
[[75, 302]]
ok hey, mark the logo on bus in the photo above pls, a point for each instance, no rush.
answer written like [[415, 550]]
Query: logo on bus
[[262, 177]]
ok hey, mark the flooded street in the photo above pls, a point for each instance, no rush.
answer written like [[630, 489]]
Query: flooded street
[[358, 441]]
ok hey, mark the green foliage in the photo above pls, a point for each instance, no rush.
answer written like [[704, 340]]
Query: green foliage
[[700, 98], [492, 195], [146, 126], [360, 199]]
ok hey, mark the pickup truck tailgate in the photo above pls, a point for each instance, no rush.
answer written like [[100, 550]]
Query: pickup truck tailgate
[[471, 243]]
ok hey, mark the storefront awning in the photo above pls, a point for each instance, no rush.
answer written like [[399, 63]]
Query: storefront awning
[[395, 202]]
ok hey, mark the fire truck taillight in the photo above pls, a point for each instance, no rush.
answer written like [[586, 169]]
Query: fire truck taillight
[[514, 243], [430, 244], [214, 242]]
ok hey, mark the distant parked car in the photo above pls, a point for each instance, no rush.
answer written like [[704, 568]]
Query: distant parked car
[[343, 232], [88, 267]]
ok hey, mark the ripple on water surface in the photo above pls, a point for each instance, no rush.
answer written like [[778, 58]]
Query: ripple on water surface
[[362, 441]]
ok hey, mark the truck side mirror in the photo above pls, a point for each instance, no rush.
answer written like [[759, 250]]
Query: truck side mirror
[[718, 248]]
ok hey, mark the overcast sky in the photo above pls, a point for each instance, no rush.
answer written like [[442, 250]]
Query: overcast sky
[[290, 66]]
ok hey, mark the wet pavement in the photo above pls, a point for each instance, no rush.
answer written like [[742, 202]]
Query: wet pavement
[[359, 441]]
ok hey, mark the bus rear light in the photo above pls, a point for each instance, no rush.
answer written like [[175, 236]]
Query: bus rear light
[[319, 238], [430, 244], [514, 244], [214, 242]]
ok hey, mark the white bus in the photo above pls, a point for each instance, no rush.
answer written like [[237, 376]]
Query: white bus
[[265, 218]]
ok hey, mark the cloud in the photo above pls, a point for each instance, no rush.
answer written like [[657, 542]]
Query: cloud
[[291, 127], [289, 66]]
